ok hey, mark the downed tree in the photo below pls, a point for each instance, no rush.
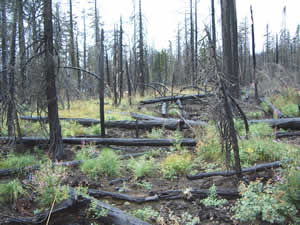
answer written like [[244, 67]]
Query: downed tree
[[139, 116], [104, 141], [285, 123], [175, 98], [272, 109], [165, 195], [125, 124], [253, 169], [110, 215], [287, 134]]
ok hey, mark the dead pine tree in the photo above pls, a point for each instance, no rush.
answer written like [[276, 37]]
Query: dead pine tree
[[223, 111], [253, 54], [56, 148]]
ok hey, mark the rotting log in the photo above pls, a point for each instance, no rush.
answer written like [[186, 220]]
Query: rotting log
[[105, 141], [165, 195], [272, 109], [164, 109], [285, 123], [174, 98], [287, 134], [253, 169], [111, 215], [139, 116], [170, 124]]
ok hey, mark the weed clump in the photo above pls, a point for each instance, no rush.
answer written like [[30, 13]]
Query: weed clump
[[176, 164], [142, 166], [17, 161], [10, 192], [107, 163]]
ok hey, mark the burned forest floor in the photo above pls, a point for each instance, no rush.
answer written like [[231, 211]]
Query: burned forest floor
[[171, 184]]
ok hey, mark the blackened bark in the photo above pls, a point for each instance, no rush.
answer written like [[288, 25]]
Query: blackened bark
[[21, 42], [11, 77], [4, 51], [101, 84], [141, 52], [56, 149], [230, 45], [253, 55], [121, 60], [128, 83]]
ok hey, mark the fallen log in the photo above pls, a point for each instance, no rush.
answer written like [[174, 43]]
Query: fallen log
[[111, 215], [104, 141], [81, 121], [285, 123], [253, 169], [174, 98], [125, 124], [272, 109], [165, 195], [286, 134], [164, 109], [139, 116]]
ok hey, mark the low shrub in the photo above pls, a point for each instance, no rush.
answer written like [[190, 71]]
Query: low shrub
[[141, 167], [146, 214], [213, 199], [17, 161], [176, 164], [265, 202], [10, 192], [107, 163], [48, 183], [155, 133]]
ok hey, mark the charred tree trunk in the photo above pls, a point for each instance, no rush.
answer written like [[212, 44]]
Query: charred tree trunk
[[121, 60], [192, 44], [213, 28], [230, 45], [128, 83], [141, 52], [4, 49], [11, 76], [253, 55], [56, 149], [101, 84], [21, 43]]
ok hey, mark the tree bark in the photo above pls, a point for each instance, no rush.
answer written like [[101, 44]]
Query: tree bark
[[230, 45], [253, 55], [56, 149], [174, 98], [101, 84], [21, 44], [4, 48]]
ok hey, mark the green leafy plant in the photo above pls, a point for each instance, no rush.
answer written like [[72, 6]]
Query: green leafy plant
[[176, 164], [291, 185], [107, 163], [155, 133], [86, 152], [213, 199], [144, 184], [267, 202], [17, 161], [48, 183], [141, 167], [146, 214], [94, 211], [11, 191]]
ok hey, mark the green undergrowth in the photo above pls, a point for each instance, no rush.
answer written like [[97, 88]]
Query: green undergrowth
[[176, 164], [142, 166], [11, 191], [106, 163], [287, 102], [17, 161]]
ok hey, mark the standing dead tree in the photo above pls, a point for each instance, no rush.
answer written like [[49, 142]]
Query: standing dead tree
[[56, 149]]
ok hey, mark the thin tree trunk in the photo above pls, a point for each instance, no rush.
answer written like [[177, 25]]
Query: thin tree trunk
[[101, 84], [253, 55], [21, 44], [192, 44], [141, 52], [121, 61], [128, 83], [4, 49]]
